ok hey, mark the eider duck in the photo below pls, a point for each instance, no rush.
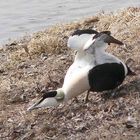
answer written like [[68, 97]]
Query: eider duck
[[109, 71], [84, 55], [79, 38], [103, 72]]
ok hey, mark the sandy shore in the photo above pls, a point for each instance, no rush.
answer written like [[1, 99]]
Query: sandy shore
[[41, 60]]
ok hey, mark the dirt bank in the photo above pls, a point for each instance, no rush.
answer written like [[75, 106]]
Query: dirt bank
[[27, 65]]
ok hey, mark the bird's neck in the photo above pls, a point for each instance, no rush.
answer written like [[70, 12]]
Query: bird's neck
[[77, 83], [84, 58], [101, 56]]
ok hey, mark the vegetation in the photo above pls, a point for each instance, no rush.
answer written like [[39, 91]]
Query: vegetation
[[28, 65]]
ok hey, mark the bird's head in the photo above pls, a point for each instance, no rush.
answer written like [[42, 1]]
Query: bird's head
[[101, 39], [49, 98]]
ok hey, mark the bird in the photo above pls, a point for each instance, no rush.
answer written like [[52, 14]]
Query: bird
[[77, 42], [102, 71], [79, 37], [109, 71]]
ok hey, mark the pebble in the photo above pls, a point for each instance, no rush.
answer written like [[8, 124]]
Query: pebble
[[28, 136], [18, 98], [131, 122], [22, 65], [44, 56], [2, 71]]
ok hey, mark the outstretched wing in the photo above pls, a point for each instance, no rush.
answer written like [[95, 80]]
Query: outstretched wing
[[79, 37]]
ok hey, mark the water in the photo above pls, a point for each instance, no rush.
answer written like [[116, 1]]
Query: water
[[22, 17]]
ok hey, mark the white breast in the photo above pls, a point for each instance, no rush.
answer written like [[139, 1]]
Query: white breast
[[77, 83], [76, 79], [82, 59]]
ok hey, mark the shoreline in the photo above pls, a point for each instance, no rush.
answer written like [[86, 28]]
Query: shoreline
[[32, 22], [68, 26], [28, 37], [28, 65]]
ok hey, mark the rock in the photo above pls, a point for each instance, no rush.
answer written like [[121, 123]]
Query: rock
[[17, 95], [22, 65], [1, 125], [44, 56], [131, 122], [2, 71], [62, 58], [13, 44], [18, 98], [81, 128], [28, 136]]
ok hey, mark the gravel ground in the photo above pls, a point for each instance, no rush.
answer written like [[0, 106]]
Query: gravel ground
[[41, 60]]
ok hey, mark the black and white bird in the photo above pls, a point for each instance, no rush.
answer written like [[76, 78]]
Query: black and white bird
[[100, 72], [83, 58], [79, 38]]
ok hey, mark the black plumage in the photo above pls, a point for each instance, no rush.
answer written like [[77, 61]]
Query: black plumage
[[48, 94], [106, 76], [86, 31]]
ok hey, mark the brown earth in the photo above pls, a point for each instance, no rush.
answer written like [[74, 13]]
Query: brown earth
[[41, 60]]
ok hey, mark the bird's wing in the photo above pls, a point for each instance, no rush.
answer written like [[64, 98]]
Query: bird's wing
[[78, 39]]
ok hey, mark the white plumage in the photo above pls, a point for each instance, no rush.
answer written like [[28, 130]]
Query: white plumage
[[77, 42], [91, 63]]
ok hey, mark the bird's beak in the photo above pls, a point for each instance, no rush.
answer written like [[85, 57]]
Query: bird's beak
[[48, 99], [34, 106], [44, 103], [110, 39]]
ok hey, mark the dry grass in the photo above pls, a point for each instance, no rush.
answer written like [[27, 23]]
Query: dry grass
[[25, 69]]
